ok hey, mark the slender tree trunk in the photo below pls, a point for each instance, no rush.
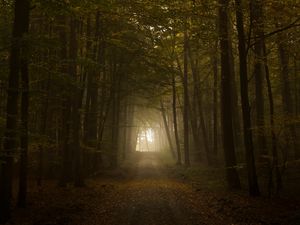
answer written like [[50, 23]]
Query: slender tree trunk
[[163, 112], [115, 113], [89, 84], [92, 86], [287, 101], [20, 28], [125, 129], [43, 127], [296, 84], [256, 17], [234, 93], [274, 162], [76, 105], [47, 55], [131, 134], [186, 102], [248, 141], [198, 96], [174, 107], [215, 106], [78, 179], [24, 128], [104, 100], [66, 112], [191, 115], [228, 142]]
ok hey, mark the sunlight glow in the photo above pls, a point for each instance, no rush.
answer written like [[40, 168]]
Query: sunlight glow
[[146, 141], [150, 135]]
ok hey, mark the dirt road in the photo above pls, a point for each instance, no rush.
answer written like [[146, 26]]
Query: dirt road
[[146, 194], [150, 198]]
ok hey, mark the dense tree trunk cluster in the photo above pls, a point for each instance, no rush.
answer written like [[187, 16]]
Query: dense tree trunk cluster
[[84, 85]]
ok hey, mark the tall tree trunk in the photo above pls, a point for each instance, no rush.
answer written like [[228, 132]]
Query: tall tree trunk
[[191, 115], [92, 87], [163, 113], [186, 102], [76, 105], [104, 100], [115, 114], [44, 112], [66, 112], [228, 142], [88, 85], [45, 107], [125, 129], [78, 163], [274, 162], [296, 84], [24, 128], [248, 141], [287, 101], [132, 130], [215, 104], [256, 17], [174, 108], [20, 28], [198, 97], [234, 92]]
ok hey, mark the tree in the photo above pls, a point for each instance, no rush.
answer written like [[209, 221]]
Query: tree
[[287, 100], [186, 101], [174, 109], [163, 112], [66, 105], [257, 24], [24, 122], [18, 62], [228, 142], [248, 141]]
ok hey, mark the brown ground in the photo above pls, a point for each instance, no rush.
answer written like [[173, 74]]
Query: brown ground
[[148, 195]]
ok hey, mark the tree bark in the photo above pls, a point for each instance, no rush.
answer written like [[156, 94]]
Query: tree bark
[[256, 17], [88, 85], [274, 162], [215, 105], [76, 105], [186, 102], [20, 29], [287, 101], [198, 97], [163, 113], [191, 116], [248, 141], [66, 112], [115, 113], [24, 128], [234, 93], [90, 126], [174, 108], [228, 142]]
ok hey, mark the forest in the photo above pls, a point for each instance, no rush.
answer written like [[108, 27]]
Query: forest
[[149, 112]]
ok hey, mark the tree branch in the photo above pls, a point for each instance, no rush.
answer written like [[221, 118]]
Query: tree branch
[[293, 24]]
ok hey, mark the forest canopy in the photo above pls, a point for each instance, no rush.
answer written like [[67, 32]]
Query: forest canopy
[[86, 85]]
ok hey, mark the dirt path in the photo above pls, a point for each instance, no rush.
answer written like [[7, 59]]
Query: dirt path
[[147, 195], [152, 198]]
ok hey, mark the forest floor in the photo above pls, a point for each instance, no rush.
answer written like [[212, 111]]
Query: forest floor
[[149, 193]]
